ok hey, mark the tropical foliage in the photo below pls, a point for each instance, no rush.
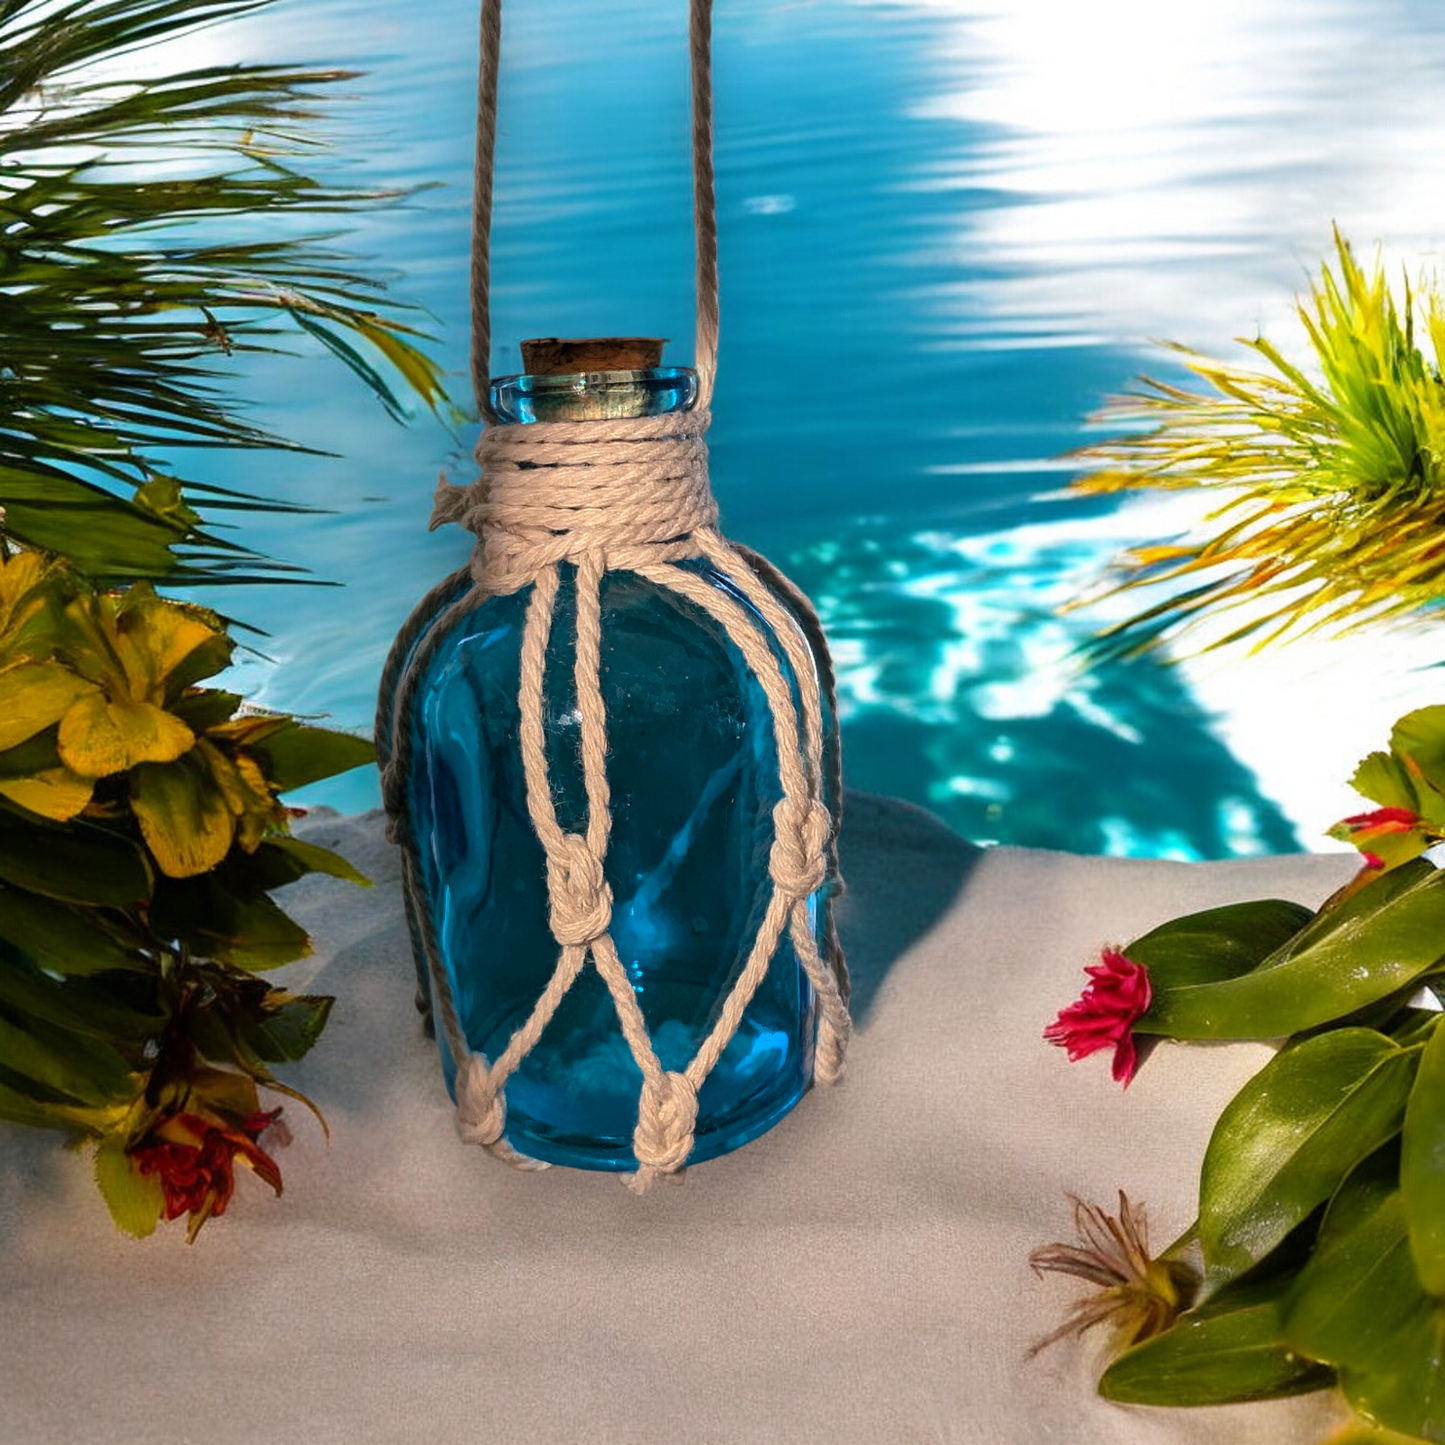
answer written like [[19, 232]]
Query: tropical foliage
[[1319, 1240], [1328, 478], [134, 264], [141, 827], [1319, 1247]]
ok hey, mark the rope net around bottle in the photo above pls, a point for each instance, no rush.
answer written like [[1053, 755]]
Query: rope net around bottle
[[617, 495], [621, 495]]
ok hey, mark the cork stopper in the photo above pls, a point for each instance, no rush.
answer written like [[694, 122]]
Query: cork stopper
[[559, 356]]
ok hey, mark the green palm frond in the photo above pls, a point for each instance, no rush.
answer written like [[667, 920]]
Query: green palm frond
[[1330, 480], [123, 288]]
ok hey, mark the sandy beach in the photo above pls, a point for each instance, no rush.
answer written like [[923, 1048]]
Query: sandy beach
[[858, 1274]]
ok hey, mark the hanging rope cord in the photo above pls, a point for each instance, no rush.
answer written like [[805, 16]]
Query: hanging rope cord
[[633, 495]]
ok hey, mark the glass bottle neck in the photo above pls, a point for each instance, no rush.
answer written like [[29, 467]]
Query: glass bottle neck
[[593, 395]]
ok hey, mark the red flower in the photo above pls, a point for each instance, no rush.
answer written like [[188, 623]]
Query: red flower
[[1117, 995], [1383, 820], [194, 1158]]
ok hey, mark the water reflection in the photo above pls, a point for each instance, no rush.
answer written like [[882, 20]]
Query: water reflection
[[961, 688], [948, 228]]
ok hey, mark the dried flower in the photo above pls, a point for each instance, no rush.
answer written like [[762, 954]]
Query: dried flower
[[194, 1157], [1138, 1296], [1103, 1017]]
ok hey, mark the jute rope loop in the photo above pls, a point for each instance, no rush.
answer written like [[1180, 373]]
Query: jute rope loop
[[704, 203], [618, 495]]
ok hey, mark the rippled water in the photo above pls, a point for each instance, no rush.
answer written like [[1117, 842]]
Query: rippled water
[[948, 230]]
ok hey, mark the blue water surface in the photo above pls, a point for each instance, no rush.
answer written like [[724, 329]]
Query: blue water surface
[[949, 229]]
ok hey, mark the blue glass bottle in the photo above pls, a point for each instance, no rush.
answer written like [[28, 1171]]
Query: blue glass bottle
[[692, 767]]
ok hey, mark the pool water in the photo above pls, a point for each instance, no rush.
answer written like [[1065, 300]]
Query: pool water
[[949, 229]]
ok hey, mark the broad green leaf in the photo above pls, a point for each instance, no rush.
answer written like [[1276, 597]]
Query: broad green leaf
[[1384, 779], [20, 1108], [295, 755], [1420, 737], [1218, 943], [204, 708], [136, 1201], [1358, 1305], [254, 933], [1357, 908], [288, 1031], [184, 817], [82, 1006], [1290, 1136], [1373, 950], [36, 695], [311, 858], [1221, 1353], [77, 863], [251, 1023], [1422, 1166], [250, 932], [28, 588], [79, 1068], [60, 939]]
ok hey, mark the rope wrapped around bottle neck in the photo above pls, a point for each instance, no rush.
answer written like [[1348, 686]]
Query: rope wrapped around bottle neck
[[634, 489]]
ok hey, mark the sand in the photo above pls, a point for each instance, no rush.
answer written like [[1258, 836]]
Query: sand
[[858, 1274]]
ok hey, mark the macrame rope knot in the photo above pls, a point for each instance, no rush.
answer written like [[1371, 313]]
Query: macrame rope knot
[[481, 1110], [581, 897], [799, 861], [666, 1117]]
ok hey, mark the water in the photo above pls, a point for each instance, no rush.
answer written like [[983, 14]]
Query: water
[[949, 229]]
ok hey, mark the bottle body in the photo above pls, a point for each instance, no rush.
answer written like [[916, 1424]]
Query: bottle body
[[692, 769]]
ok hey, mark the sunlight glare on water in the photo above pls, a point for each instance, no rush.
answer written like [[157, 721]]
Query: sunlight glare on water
[[949, 229]]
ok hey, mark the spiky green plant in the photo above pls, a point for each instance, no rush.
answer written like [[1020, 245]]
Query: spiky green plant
[[125, 284], [141, 829], [1330, 476]]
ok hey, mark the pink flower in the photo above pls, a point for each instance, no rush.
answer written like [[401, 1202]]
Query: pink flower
[[1104, 1015]]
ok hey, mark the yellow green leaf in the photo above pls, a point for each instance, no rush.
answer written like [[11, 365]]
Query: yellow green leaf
[[99, 736], [183, 816], [135, 1200], [36, 695], [21, 597], [223, 775], [153, 636], [56, 793], [261, 812]]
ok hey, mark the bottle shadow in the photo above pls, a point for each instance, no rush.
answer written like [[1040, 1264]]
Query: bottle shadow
[[903, 868]]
